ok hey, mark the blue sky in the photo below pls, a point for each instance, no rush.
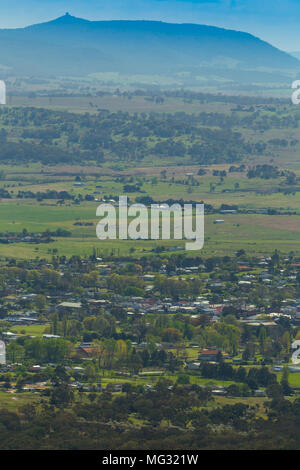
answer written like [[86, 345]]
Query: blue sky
[[272, 20]]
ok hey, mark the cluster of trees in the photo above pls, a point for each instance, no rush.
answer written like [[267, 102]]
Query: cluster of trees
[[240, 101], [263, 171], [50, 350], [254, 378], [59, 137], [102, 421], [49, 194], [175, 288]]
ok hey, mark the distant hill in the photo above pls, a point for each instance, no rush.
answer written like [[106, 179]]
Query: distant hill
[[73, 46], [295, 54]]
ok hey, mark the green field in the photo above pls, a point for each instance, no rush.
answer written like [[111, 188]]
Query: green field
[[161, 176], [256, 233], [32, 330], [12, 401]]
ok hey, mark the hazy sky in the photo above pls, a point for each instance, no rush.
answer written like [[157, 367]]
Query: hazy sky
[[272, 20]]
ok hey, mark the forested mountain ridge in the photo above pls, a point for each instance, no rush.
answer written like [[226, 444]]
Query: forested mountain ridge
[[73, 46]]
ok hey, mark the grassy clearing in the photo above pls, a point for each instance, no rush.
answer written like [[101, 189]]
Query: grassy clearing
[[115, 103], [252, 232], [12, 401], [33, 330], [294, 378]]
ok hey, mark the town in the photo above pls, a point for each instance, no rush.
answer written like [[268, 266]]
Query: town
[[81, 330]]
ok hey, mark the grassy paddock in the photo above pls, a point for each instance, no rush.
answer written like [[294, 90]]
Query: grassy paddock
[[12, 401]]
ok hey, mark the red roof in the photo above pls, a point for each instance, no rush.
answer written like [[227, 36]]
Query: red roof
[[209, 351], [88, 350], [218, 309]]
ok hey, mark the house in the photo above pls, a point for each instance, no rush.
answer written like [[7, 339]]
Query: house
[[277, 368], [35, 368], [8, 335], [193, 365], [260, 393], [294, 369], [69, 308], [70, 305], [209, 355], [85, 351], [51, 336], [220, 391], [37, 387]]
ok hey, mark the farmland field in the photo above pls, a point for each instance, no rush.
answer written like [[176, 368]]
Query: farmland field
[[256, 232]]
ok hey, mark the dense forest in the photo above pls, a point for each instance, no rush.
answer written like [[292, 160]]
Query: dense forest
[[40, 135]]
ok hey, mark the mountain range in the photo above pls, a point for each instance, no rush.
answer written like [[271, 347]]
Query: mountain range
[[70, 46]]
